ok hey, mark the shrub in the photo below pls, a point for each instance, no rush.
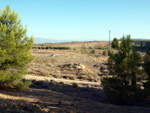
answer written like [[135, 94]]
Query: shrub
[[84, 77], [33, 47], [105, 52], [15, 48], [46, 47], [42, 47], [63, 48], [75, 85], [50, 47], [93, 51]]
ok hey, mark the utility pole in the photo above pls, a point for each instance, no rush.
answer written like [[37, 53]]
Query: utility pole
[[109, 40]]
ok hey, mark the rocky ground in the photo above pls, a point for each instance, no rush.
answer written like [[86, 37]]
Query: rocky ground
[[53, 97], [67, 64]]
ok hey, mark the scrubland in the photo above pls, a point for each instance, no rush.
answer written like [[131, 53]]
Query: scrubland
[[66, 81]]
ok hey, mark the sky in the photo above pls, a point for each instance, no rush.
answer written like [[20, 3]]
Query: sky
[[83, 20]]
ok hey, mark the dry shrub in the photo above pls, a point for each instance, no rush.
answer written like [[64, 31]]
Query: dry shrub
[[49, 64], [41, 61], [53, 82], [75, 85], [105, 52], [43, 72], [84, 77], [56, 76], [44, 61], [53, 60], [71, 77], [61, 83], [31, 71]]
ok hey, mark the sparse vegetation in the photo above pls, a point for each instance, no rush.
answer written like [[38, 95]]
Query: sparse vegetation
[[55, 75], [51, 47]]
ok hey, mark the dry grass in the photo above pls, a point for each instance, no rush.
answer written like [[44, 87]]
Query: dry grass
[[64, 81], [29, 99], [90, 45], [61, 63]]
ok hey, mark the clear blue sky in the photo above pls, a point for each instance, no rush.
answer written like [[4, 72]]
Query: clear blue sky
[[83, 19]]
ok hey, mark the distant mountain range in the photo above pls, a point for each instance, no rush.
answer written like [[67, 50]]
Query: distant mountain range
[[41, 41]]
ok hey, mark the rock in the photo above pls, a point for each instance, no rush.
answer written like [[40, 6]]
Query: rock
[[53, 55], [79, 66]]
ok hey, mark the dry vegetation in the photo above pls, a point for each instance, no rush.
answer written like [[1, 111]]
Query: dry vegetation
[[75, 45], [75, 64], [65, 81]]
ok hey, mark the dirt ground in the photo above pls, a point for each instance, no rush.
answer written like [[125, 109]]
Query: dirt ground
[[64, 81]]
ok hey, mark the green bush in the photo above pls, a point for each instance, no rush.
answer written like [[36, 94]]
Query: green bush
[[62, 48], [50, 47], [46, 47], [93, 51]]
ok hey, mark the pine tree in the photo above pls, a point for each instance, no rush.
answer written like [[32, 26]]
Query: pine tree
[[147, 70], [15, 49], [124, 68], [115, 43]]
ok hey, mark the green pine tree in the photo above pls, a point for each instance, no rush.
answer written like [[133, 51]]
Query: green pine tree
[[124, 68], [15, 49], [115, 43], [147, 70]]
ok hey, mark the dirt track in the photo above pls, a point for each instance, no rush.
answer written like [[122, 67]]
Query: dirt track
[[41, 78]]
